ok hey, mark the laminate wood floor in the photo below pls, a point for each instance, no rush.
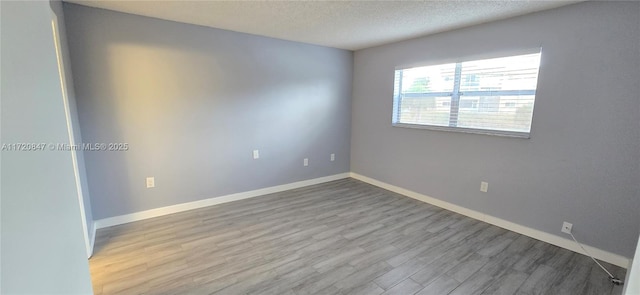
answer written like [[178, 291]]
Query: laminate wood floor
[[341, 237]]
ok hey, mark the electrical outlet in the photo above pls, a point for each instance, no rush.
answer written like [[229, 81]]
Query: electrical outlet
[[333, 157], [305, 162], [566, 227], [151, 182], [256, 154], [484, 187]]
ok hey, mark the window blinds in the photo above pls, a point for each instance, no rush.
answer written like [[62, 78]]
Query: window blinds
[[493, 96]]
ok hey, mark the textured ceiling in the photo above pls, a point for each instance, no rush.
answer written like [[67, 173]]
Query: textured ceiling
[[346, 24]]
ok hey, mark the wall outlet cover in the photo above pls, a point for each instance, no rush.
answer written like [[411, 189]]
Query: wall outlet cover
[[484, 186], [151, 182], [566, 227]]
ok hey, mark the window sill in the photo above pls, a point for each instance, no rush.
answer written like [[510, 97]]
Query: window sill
[[465, 130]]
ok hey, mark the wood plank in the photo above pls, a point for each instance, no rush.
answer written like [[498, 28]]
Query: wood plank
[[344, 237]]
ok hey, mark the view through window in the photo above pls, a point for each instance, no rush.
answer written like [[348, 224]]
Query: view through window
[[494, 96]]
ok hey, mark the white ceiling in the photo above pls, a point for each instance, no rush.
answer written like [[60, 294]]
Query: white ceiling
[[349, 25]]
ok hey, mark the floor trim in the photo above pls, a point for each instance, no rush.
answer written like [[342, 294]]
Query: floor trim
[[521, 229], [92, 239], [121, 219]]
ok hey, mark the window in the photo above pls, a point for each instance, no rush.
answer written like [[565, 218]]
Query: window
[[490, 96]]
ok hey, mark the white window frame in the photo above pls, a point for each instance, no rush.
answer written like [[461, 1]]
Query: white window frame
[[455, 101]]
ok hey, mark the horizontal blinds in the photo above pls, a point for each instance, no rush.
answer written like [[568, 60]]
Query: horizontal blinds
[[506, 113], [429, 79], [426, 110], [507, 73], [494, 94]]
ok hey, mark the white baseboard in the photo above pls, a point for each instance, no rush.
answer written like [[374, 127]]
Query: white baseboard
[[527, 231], [121, 219], [92, 239]]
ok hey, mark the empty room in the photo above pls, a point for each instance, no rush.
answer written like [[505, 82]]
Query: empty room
[[320, 147]]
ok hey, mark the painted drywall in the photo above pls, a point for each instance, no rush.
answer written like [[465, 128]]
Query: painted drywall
[[43, 251], [580, 164], [61, 32], [192, 103]]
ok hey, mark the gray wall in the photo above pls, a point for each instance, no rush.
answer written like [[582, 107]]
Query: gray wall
[[43, 251], [581, 164], [193, 102], [56, 6]]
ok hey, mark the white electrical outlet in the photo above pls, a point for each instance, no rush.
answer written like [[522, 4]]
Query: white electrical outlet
[[566, 227], [256, 154], [151, 182], [484, 187], [333, 157], [305, 162]]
